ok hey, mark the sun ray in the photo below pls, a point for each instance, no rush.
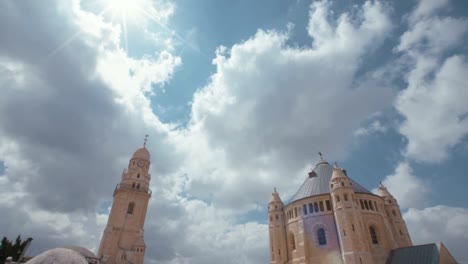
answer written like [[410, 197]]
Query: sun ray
[[178, 37]]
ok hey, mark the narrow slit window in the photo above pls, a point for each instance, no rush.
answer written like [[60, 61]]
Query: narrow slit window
[[130, 208], [373, 235], [304, 209], [322, 239]]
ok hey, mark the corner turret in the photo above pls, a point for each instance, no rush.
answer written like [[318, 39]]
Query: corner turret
[[348, 219], [278, 250], [397, 223]]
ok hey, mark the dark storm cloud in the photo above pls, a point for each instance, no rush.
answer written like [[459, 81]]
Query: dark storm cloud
[[61, 114], [58, 113]]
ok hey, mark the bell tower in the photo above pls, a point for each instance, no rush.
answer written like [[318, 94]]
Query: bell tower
[[122, 240]]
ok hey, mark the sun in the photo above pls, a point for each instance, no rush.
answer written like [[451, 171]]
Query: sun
[[130, 11]]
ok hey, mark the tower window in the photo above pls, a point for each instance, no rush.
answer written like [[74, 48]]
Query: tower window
[[276, 216], [133, 185], [130, 208], [321, 206], [342, 183], [322, 239], [138, 186], [304, 208], [352, 225], [373, 235], [138, 175], [271, 219], [346, 197], [295, 211], [327, 203], [337, 198]]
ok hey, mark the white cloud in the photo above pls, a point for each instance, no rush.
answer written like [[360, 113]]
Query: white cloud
[[434, 103], [409, 190], [270, 108], [440, 224], [374, 127]]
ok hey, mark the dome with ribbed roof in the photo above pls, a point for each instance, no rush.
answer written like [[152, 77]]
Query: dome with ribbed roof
[[141, 153], [318, 182]]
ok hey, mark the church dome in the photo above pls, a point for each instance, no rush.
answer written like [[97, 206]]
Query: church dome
[[59, 256], [141, 153], [318, 182]]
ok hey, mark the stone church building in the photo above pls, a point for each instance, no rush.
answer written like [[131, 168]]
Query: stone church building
[[333, 219]]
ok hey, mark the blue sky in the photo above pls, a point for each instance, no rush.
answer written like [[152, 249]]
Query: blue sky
[[238, 97]]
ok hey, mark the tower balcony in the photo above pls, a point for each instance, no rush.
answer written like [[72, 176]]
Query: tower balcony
[[124, 186]]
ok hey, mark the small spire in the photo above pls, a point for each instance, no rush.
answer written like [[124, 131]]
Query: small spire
[[335, 165], [320, 154], [146, 139]]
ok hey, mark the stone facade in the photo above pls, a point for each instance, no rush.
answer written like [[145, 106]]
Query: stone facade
[[122, 240], [332, 219]]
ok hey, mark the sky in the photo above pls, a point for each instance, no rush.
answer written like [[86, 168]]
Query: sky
[[237, 98]]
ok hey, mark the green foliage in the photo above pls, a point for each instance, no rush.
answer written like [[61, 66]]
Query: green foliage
[[10, 249]]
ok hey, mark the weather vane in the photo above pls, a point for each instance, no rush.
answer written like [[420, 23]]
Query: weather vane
[[146, 139]]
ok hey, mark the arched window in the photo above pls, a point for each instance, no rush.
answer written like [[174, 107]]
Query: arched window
[[292, 241], [138, 175], [133, 185], [373, 235], [371, 205], [366, 204], [322, 239], [342, 183], [130, 208]]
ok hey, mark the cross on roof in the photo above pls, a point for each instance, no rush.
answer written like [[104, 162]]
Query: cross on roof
[[146, 139], [320, 154]]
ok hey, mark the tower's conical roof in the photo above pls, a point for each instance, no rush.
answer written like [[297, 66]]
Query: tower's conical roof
[[383, 191], [141, 153], [338, 172], [275, 197], [318, 182]]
